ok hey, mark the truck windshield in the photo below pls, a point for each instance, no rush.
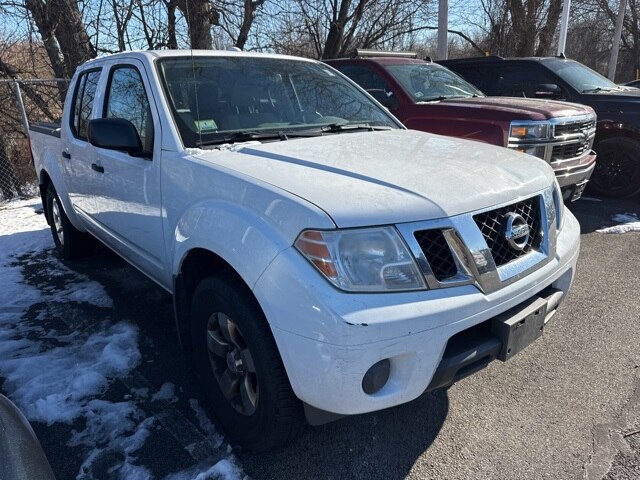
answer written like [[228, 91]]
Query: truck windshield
[[581, 77], [228, 99], [427, 82]]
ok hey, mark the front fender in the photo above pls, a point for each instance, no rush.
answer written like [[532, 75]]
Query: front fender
[[247, 240]]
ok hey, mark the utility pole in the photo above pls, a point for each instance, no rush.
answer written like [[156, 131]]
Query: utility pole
[[613, 60], [564, 26], [443, 26]]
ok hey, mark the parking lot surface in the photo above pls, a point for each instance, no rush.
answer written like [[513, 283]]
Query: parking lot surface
[[566, 407]]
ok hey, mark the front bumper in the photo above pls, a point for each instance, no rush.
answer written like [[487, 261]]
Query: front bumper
[[328, 339], [574, 175]]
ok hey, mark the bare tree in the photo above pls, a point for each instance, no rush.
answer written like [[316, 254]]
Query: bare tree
[[200, 16], [63, 33], [521, 27]]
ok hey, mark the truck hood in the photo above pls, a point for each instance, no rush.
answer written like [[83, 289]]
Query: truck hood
[[516, 108], [388, 177]]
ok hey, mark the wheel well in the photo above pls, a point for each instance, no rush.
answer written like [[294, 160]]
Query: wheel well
[[607, 133], [45, 180], [196, 265]]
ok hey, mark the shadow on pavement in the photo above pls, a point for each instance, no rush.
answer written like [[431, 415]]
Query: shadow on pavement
[[590, 211], [380, 445]]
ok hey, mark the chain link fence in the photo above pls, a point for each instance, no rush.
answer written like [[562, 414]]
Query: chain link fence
[[24, 102]]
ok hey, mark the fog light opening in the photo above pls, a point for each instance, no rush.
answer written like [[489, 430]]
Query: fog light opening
[[376, 377]]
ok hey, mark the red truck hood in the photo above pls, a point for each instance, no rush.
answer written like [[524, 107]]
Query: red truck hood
[[516, 108]]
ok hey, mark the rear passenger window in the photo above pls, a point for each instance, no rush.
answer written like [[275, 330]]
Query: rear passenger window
[[83, 103], [127, 99]]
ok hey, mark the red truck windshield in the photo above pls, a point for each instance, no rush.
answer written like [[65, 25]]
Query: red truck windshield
[[427, 82], [212, 97]]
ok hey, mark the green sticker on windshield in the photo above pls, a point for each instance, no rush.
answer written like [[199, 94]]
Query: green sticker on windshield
[[206, 125]]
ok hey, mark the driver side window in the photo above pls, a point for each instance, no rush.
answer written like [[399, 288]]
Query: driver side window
[[371, 81], [127, 99]]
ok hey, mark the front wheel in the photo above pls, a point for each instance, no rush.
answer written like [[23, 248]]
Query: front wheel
[[617, 170], [239, 366], [69, 241]]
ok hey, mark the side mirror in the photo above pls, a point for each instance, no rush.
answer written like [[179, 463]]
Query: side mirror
[[115, 134], [387, 99], [548, 90]]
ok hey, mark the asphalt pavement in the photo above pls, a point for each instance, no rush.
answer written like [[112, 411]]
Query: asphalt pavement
[[567, 407]]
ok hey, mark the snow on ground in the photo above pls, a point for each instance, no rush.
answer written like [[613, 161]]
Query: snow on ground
[[58, 377], [628, 222]]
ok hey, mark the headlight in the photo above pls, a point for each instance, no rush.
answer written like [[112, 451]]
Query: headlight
[[559, 204], [362, 260], [534, 131]]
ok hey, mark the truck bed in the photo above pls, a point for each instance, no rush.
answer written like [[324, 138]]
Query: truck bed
[[47, 128]]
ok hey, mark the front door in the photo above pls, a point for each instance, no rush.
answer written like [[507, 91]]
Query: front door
[[128, 207]]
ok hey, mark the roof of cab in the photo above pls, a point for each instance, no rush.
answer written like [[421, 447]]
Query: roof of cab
[[152, 55]]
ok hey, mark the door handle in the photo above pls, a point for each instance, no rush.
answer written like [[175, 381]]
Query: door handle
[[66, 155], [97, 168]]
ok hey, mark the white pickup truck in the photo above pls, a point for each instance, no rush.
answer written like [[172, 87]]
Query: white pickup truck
[[324, 261]]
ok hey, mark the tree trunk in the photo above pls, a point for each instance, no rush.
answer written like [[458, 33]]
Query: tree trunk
[[172, 42], [250, 9], [200, 15], [336, 30], [549, 29], [60, 25]]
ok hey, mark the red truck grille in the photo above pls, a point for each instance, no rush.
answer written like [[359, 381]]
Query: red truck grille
[[571, 150], [574, 128], [574, 138]]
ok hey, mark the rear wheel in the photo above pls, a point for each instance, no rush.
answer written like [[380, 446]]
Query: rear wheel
[[617, 171], [69, 241], [239, 366]]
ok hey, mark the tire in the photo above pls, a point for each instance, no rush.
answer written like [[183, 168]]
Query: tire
[[70, 242], [617, 171], [239, 366]]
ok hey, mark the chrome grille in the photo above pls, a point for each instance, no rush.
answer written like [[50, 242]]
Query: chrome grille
[[576, 137], [438, 254], [492, 225], [570, 150], [573, 128]]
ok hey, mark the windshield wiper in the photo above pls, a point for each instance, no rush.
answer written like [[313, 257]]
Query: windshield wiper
[[597, 89], [348, 127], [443, 97], [248, 135]]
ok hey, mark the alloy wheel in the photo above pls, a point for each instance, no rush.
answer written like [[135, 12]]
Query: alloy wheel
[[232, 363]]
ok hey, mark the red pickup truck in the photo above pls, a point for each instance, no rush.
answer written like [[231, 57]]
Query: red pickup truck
[[426, 96]]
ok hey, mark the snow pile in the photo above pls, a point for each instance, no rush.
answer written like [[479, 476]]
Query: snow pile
[[54, 385], [205, 424], [167, 392], [629, 222], [58, 377], [226, 469]]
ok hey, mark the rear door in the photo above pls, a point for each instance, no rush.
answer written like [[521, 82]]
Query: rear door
[[128, 204], [78, 154]]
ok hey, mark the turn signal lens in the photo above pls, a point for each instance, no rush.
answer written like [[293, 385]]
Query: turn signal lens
[[312, 245], [519, 131]]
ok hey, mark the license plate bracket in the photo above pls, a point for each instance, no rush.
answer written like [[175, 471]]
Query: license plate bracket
[[519, 327]]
